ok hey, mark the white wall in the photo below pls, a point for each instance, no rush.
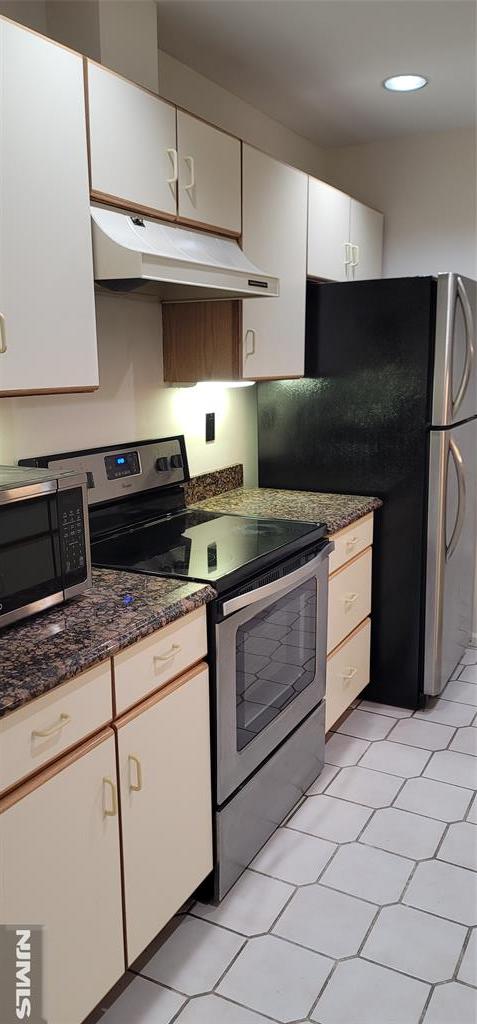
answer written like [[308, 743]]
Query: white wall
[[131, 404], [426, 187], [187, 88]]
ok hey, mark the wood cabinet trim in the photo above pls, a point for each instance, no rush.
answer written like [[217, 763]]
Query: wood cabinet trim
[[355, 523], [351, 636], [213, 229], [351, 561], [43, 776], [159, 695], [131, 206]]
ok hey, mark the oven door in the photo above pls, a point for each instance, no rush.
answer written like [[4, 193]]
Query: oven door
[[270, 664]]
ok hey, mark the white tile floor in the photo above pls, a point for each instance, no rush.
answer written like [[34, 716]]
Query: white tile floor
[[362, 909]]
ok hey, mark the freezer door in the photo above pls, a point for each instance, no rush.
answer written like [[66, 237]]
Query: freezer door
[[455, 367], [450, 551]]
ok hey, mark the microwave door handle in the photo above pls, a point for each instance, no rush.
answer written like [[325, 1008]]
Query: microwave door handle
[[235, 604], [469, 345]]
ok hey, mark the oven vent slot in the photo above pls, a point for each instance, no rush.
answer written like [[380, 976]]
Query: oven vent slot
[[276, 574]]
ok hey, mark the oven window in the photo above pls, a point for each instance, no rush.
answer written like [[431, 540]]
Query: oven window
[[29, 552], [275, 659]]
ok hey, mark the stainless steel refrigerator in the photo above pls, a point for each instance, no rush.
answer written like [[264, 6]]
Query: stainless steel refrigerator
[[389, 407]]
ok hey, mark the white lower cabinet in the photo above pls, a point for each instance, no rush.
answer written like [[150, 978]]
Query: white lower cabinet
[[165, 793], [347, 672], [60, 868]]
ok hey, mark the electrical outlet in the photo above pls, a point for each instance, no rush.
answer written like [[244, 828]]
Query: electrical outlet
[[210, 426]]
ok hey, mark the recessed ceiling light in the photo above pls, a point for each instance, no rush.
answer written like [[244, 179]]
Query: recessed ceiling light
[[405, 83]]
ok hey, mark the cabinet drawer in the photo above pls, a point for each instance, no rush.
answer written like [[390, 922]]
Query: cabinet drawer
[[349, 600], [347, 672], [150, 663], [44, 729], [351, 541]]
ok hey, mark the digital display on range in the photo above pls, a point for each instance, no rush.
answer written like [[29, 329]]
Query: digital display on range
[[125, 464]]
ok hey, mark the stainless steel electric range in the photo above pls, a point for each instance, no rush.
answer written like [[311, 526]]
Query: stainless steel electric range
[[266, 628]]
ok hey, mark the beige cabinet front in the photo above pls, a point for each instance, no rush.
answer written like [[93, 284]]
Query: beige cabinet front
[[164, 770], [47, 314], [209, 175], [366, 234], [132, 136], [329, 254], [274, 238], [60, 869], [349, 597]]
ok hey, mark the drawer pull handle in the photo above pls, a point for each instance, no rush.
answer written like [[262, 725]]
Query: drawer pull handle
[[135, 786], [351, 543], [172, 653], [110, 812], [57, 727], [349, 673], [349, 600]]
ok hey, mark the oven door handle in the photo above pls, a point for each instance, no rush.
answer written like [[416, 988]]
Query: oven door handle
[[271, 589]]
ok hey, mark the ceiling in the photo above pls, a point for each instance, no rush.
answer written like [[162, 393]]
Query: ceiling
[[317, 65]]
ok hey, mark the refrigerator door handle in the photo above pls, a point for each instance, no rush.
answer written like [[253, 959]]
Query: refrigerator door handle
[[462, 296], [459, 523]]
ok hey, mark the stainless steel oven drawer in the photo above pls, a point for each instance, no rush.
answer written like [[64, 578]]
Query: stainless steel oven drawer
[[253, 814]]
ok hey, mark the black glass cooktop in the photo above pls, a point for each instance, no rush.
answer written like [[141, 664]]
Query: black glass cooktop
[[204, 546]]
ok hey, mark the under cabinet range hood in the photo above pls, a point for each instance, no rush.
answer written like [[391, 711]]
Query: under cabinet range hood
[[174, 263]]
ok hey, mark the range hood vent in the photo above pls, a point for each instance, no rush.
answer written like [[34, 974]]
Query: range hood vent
[[175, 263]]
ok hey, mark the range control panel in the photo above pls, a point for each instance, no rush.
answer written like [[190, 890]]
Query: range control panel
[[126, 469]]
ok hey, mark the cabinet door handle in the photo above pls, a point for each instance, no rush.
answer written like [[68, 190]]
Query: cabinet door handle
[[3, 335], [57, 727], [349, 673], [135, 786], [347, 249], [349, 599], [354, 255], [250, 351], [172, 653], [189, 160], [110, 812], [173, 155], [351, 543]]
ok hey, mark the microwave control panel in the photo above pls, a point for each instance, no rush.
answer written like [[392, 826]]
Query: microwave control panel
[[72, 531]]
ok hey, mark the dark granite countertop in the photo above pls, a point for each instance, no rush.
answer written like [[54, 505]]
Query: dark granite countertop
[[336, 510], [120, 608]]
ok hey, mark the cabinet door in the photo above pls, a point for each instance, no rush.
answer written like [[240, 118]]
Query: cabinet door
[[60, 868], [132, 136], [366, 234], [46, 268], [164, 770], [274, 238], [328, 232], [209, 175]]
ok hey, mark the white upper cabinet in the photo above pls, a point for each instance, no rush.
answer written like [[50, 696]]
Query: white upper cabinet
[[328, 231], [48, 329], [345, 237], [274, 238], [209, 175], [133, 149], [366, 234]]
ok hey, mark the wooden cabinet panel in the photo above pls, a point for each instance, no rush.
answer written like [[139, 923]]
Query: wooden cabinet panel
[[153, 662], [132, 144], [366, 234], [60, 868], [164, 769], [209, 175], [46, 266], [202, 341], [347, 672], [349, 598], [274, 238], [351, 541], [44, 729], [328, 231]]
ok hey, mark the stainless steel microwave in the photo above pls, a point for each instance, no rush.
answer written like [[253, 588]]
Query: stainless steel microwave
[[44, 540]]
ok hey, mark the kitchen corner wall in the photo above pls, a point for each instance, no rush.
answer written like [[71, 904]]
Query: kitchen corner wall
[[132, 402]]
